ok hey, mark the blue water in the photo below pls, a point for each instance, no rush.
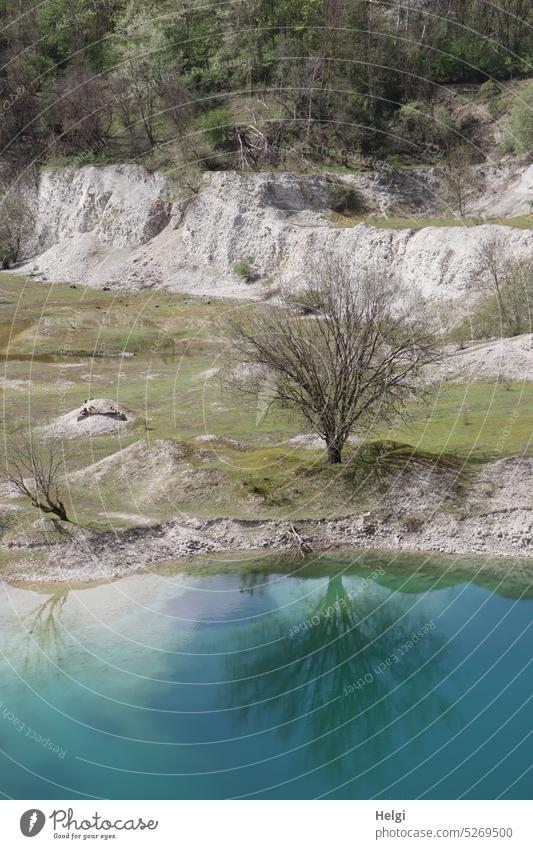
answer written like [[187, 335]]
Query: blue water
[[336, 679]]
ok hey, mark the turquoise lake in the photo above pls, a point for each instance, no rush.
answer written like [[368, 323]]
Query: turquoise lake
[[354, 677]]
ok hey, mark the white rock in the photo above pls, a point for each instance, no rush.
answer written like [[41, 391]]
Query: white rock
[[121, 225]]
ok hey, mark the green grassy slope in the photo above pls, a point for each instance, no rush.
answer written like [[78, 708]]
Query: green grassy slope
[[48, 334]]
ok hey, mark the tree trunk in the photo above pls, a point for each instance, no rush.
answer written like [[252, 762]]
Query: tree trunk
[[57, 509], [61, 512], [334, 454]]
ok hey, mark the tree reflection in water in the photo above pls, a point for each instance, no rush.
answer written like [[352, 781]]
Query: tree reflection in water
[[348, 673], [44, 635]]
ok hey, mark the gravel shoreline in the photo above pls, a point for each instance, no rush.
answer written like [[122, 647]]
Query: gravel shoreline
[[95, 556]]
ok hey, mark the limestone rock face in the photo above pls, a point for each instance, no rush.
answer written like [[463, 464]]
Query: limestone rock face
[[123, 205], [124, 226]]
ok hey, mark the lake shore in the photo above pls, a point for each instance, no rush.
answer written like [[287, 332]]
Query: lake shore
[[86, 555]]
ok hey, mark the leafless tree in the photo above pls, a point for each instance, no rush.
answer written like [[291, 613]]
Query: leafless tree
[[37, 470], [81, 113], [458, 176], [16, 225], [355, 353]]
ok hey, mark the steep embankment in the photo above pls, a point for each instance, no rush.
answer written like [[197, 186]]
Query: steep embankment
[[122, 226], [494, 361], [423, 509]]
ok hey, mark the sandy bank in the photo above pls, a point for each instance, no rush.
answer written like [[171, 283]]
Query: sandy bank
[[94, 556]]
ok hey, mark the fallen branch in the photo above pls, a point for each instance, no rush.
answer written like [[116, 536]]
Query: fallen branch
[[296, 539]]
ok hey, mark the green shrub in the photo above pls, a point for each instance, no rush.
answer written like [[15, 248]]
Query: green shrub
[[308, 301], [462, 57], [490, 89], [243, 268], [217, 126], [268, 490], [492, 317], [394, 163], [344, 199], [423, 123], [518, 134]]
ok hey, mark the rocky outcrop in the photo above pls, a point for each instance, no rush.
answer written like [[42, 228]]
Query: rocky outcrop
[[123, 205], [122, 226]]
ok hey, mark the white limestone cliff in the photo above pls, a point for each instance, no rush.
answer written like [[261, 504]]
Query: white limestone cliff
[[123, 226]]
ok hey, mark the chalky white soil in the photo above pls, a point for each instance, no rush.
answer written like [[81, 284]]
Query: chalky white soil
[[123, 226], [72, 426], [495, 361]]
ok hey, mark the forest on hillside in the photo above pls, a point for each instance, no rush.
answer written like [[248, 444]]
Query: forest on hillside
[[242, 83]]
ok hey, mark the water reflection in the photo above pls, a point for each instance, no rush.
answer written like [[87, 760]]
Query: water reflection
[[183, 686], [356, 660], [44, 639]]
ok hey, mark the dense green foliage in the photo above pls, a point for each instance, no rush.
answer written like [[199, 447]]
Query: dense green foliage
[[502, 289], [247, 84], [518, 134]]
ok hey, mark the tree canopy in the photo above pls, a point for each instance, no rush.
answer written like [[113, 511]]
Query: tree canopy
[[118, 78], [354, 356]]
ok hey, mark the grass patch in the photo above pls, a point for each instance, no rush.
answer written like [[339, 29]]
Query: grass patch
[[377, 463], [177, 396], [522, 222], [497, 423]]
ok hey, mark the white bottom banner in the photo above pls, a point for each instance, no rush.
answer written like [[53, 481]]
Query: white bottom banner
[[279, 824]]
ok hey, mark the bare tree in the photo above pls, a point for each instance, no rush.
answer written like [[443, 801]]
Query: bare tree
[[16, 225], [459, 178], [37, 470], [81, 113], [359, 355]]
